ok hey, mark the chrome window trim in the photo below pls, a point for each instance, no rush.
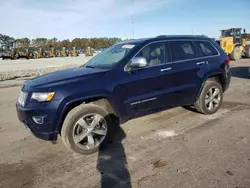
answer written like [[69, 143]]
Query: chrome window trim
[[171, 62], [218, 53]]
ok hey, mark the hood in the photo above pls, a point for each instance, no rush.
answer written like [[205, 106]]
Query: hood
[[63, 76]]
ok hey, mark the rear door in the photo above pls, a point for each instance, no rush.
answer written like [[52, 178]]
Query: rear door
[[188, 70], [207, 52]]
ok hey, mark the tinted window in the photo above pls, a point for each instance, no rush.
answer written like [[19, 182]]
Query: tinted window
[[182, 50], [205, 48], [154, 53]]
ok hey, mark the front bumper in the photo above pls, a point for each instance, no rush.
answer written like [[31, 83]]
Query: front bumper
[[46, 130]]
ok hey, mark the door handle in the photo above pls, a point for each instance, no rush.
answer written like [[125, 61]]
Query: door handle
[[201, 63], [166, 69]]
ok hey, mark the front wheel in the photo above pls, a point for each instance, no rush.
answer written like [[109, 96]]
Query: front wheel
[[236, 53], [86, 128], [210, 98]]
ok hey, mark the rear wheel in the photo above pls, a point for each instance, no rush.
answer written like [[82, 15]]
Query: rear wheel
[[247, 51], [210, 98], [236, 53], [86, 128]]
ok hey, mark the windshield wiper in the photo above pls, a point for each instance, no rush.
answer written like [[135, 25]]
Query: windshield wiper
[[89, 66]]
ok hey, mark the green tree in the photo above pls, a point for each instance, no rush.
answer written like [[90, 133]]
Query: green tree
[[80, 43], [6, 41], [52, 42], [39, 42], [22, 43]]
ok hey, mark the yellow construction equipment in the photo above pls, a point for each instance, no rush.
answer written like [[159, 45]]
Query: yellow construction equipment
[[234, 43], [64, 52], [29, 54], [57, 53], [52, 52], [88, 52], [38, 54], [11, 54], [74, 52], [43, 53]]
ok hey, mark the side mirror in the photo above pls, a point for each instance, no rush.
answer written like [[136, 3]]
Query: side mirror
[[138, 62], [244, 30]]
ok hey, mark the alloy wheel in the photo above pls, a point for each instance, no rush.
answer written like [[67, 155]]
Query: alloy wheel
[[212, 98], [89, 131]]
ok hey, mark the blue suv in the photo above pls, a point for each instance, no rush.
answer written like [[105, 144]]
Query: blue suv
[[85, 104]]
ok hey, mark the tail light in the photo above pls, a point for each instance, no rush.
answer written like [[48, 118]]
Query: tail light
[[228, 60]]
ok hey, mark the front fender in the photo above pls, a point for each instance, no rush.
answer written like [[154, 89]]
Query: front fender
[[66, 105]]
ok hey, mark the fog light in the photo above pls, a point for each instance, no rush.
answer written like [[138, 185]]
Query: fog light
[[38, 119], [26, 126]]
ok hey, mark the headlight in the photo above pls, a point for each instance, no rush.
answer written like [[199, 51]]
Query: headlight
[[42, 97]]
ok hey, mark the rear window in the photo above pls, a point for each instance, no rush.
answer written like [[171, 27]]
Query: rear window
[[205, 48], [182, 50]]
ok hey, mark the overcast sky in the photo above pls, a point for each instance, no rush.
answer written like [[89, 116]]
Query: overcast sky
[[112, 18]]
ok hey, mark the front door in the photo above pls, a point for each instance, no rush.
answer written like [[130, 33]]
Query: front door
[[154, 81]]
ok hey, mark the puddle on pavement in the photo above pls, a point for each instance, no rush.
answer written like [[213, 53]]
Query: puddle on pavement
[[155, 165], [159, 164]]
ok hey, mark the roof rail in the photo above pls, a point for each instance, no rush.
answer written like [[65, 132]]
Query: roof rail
[[161, 36]]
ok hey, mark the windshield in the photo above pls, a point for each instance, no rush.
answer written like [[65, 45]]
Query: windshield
[[227, 33], [109, 57]]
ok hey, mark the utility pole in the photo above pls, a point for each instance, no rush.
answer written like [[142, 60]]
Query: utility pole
[[132, 20]]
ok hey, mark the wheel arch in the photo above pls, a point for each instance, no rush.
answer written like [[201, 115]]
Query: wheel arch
[[247, 50], [219, 77], [101, 100]]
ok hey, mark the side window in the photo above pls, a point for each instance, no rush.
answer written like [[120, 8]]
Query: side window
[[182, 50], [205, 48], [154, 53]]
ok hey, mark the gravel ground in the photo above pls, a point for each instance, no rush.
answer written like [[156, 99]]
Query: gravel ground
[[176, 148], [10, 75], [12, 69]]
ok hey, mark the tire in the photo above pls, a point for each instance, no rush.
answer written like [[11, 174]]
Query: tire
[[247, 51], [236, 54], [71, 126], [201, 104]]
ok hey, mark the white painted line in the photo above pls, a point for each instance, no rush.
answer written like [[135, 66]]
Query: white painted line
[[166, 134], [132, 158], [217, 115]]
